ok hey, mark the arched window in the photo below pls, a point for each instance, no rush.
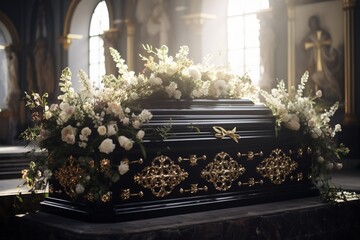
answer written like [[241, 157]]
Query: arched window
[[98, 24], [3, 69], [243, 37]]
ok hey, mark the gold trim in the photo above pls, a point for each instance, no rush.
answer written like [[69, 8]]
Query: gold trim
[[222, 171], [161, 177]]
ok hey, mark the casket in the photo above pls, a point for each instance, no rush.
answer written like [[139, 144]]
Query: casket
[[214, 154]]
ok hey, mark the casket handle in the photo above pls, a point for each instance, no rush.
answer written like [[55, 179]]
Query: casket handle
[[126, 194], [192, 159], [250, 155], [194, 189]]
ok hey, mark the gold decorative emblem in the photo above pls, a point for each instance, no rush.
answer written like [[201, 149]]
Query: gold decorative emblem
[[161, 177], [251, 182], [68, 175], [222, 171], [277, 166], [250, 155], [221, 133]]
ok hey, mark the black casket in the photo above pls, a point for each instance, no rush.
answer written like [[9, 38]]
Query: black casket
[[216, 154]]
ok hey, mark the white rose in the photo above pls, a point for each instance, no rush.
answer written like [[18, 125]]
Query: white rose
[[107, 146], [47, 114], [79, 188], [86, 131], [123, 168], [68, 134], [145, 115], [320, 159], [312, 122], [126, 143], [285, 117], [339, 166], [125, 120], [111, 129], [101, 130], [194, 73], [140, 134], [134, 96], [330, 166], [136, 124], [177, 94]]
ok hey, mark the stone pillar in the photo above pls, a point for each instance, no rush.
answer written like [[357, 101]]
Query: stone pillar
[[110, 38], [349, 62], [130, 32], [291, 44]]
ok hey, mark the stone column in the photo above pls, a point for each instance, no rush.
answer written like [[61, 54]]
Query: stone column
[[291, 44], [110, 38], [349, 62], [130, 32]]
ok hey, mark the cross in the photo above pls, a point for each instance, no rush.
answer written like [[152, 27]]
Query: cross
[[317, 44]]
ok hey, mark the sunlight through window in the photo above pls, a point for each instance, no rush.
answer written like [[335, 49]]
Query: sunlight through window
[[243, 37], [99, 23]]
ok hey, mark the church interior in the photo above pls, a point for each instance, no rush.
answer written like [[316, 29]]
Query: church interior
[[268, 40]]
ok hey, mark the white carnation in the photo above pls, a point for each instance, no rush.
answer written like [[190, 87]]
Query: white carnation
[[319, 93]]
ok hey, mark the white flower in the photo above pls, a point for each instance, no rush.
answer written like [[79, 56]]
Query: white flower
[[116, 109], [82, 144], [134, 96], [53, 107], [48, 115], [145, 115], [316, 132], [126, 143], [220, 88], [101, 130], [320, 159], [136, 124], [68, 134], [177, 94], [86, 131], [79, 188], [339, 166], [111, 129], [312, 122], [125, 120], [123, 168], [337, 128], [319, 93], [47, 174], [140, 134], [107, 146], [194, 72], [155, 80], [330, 166]]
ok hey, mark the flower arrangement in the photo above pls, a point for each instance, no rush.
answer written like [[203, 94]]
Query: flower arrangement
[[87, 129], [304, 116], [168, 77], [93, 129]]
